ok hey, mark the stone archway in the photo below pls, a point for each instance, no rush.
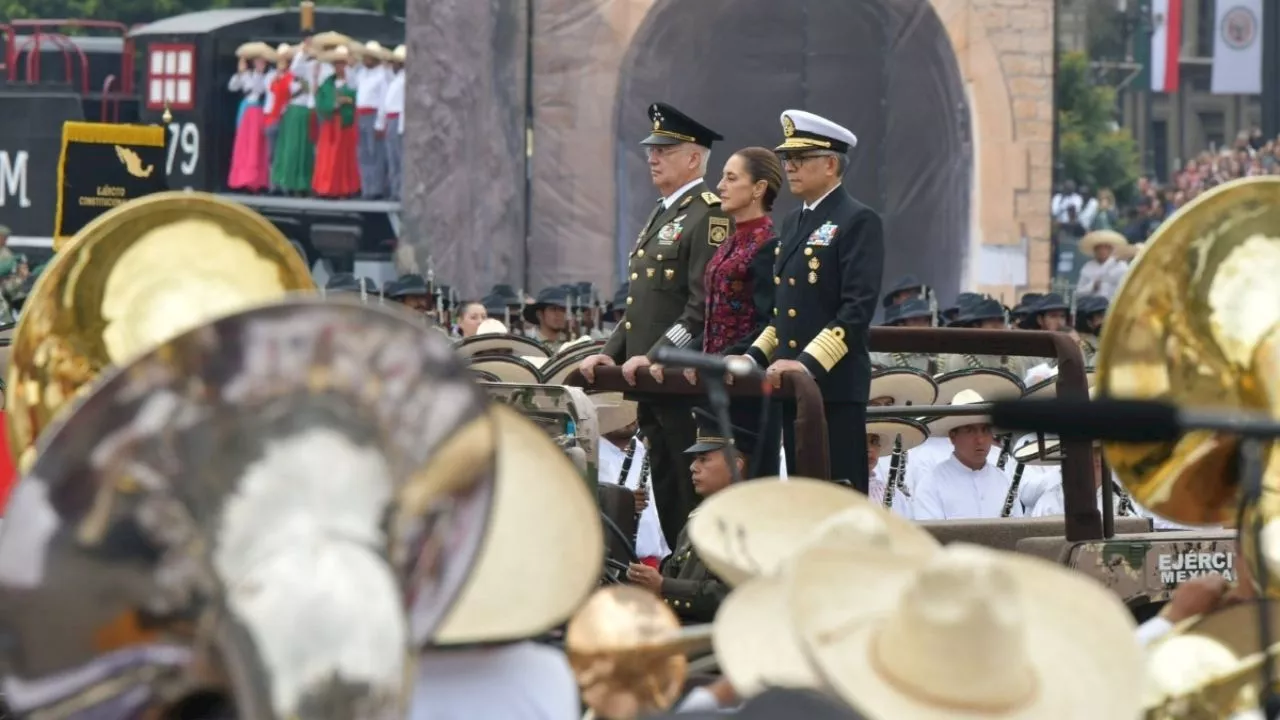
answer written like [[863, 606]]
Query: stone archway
[[886, 69]]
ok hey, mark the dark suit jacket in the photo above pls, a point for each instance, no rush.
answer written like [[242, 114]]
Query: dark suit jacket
[[667, 304], [826, 289]]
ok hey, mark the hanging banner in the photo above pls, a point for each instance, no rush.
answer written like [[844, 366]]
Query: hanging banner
[[104, 165], [1237, 48]]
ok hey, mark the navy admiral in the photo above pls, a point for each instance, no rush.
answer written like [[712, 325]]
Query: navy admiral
[[667, 300], [827, 273]]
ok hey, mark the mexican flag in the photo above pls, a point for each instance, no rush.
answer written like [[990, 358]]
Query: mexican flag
[[1166, 45]]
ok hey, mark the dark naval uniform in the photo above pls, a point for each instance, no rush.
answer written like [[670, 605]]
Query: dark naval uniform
[[666, 305], [827, 286]]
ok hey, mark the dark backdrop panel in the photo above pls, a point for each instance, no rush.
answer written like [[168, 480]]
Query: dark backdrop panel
[[883, 68]]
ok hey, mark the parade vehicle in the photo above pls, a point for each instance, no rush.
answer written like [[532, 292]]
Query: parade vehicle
[[172, 72]]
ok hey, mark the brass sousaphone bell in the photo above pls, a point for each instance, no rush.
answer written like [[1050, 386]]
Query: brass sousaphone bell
[[137, 276]]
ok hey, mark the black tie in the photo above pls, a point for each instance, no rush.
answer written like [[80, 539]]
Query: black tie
[[804, 216], [654, 216]]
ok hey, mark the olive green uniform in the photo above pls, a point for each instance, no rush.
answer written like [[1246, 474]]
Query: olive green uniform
[[688, 587]]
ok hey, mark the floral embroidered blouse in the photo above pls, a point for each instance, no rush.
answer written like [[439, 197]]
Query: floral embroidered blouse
[[739, 289]]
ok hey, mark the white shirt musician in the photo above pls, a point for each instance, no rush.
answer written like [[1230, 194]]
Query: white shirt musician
[[650, 542], [391, 114], [522, 681], [965, 486], [876, 488]]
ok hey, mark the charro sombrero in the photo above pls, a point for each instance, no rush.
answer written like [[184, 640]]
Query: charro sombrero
[[1047, 388], [1123, 249], [499, 343], [912, 432], [1028, 451], [754, 642], [993, 384], [255, 472], [907, 386], [613, 412], [750, 528], [966, 633], [562, 364], [941, 427], [507, 368], [506, 597]]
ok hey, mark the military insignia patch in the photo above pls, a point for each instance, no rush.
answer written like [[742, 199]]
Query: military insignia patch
[[823, 236], [813, 278], [685, 202], [788, 127], [668, 274], [648, 272], [717, 230], [670, 232]]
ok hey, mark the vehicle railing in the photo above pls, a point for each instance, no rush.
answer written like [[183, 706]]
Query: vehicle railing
[[811, 454], [1083, 519], [41, 28]]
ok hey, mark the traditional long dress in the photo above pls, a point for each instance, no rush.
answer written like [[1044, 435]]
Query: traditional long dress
[[278, 93], [294, 157], [249, 169], [337, 173]]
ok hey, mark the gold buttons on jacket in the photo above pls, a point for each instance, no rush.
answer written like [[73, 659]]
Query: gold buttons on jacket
[[791, 343], [807, 251], [777, 250], [629, 300], [628, 325], [659, 257], [775, 312], [640, 253], [791, 281], [791, 312], [634, 276], [777, 280]]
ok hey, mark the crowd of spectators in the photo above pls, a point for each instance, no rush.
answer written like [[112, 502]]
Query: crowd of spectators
[[1078, 209]]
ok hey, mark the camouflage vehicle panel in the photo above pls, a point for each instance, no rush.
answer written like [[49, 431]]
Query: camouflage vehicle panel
[[1144, 569], [567, 414]]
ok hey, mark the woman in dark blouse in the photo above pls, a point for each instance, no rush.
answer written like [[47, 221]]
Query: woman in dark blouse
[[739, 277]]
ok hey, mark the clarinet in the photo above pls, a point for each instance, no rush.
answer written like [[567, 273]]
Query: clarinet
[[627, 459], [644, 486], [895, 466], [1005, 452], [1013, 491], [1125, 507]]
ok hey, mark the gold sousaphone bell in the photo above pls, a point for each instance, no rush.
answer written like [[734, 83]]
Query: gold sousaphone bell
[[1197, 324], [133, 278]]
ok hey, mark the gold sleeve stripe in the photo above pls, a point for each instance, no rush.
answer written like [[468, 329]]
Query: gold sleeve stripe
[[828, 347], [767, 342]]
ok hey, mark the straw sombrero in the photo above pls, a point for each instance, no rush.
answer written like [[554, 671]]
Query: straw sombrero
[[1123, 249], [913, 433], [330, 39], [506, 596], [941, 427], [257, 50], [613, 412], [400, 53], [374, 49], [504, 343], [991, 383], [507, 368], [1047, 388], [338, 53], [750, 528], [965, 633], [559, 367], [753, 638], [1200, 648], [907, 386]]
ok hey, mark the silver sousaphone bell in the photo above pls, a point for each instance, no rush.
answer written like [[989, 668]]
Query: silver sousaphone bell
[[237, 520]]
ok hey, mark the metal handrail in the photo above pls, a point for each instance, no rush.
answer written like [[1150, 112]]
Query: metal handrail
[[1083, 520], [811, 455]]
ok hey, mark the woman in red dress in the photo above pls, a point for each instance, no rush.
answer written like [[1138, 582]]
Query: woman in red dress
[[337, 173]]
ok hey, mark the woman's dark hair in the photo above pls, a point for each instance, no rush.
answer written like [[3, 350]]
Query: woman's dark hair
[[762, 164]]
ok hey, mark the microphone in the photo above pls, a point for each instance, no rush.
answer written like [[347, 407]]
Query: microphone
[[1117, 420], [737, 366]]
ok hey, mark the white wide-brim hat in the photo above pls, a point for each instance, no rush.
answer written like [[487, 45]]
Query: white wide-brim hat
[[993, 384], [755, 644], [495, 342], [1047, 387], [562, 364], [907, 386], [1106, 237], [1028, 451], [507, 368], [749, 529], [912, 432], [507, 597], [967, 633], [941, 427], [613, 412]]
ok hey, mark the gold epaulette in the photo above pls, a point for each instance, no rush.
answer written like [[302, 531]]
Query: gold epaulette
[[710, 198]]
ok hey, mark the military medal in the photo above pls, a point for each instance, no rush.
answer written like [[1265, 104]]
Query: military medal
[[671, 231], [649, 272], [668, 274], [813, 278], [823, 236], [814, 264]]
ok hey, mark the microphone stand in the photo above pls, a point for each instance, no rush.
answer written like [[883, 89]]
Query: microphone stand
[[718, 398], [1252, 467]]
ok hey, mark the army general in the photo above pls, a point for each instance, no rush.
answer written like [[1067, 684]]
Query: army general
[[830, 257], [667, 302]]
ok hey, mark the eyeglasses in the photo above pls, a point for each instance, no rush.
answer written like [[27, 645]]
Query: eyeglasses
[[796, 160]]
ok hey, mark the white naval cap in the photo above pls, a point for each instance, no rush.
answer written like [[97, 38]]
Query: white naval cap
[[806, 131]]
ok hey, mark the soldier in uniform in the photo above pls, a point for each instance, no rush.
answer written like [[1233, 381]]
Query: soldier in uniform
[[827, 270], [411, 291], [963, 300], [684, 582], [904, 288], [985, 314], [667, 300], [546, 318], [910, 313], [1091, 311], [1018, 316]]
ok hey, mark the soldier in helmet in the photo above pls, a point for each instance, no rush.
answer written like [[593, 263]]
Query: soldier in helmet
[[547, 318], [411, 291]]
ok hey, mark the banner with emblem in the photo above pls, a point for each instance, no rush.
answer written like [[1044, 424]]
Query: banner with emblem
[[104, 165], [1237, 48]]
